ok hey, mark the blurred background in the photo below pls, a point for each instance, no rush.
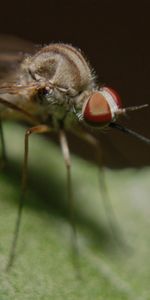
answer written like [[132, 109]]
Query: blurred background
[[115, 37]]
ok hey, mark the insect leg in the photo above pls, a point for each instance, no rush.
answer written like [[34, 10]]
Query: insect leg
[[66, 156], [15, 107], [35, 129], [113, 224], [3, 154]]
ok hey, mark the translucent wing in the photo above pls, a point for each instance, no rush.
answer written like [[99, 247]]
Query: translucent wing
[[12, 51], [14, 48]]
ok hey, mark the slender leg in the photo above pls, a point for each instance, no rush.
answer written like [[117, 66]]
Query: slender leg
[[24, 114], [20, 110], [35, 129], [66, 155], [4, 156], [113, 224]]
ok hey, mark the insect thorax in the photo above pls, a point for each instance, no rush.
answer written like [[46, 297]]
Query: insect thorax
[[60, 64], [64, 74]]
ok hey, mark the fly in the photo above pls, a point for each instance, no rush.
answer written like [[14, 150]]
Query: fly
[[54, 89]]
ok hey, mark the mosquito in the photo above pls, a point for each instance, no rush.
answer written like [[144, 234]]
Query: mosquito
[[55, 89]]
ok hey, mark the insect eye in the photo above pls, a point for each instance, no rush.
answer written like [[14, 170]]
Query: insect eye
[[109, 92], [101, 106]]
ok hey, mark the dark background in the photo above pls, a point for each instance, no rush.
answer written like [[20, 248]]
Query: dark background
[[115, 36]]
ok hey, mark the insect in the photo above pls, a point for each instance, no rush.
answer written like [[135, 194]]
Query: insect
[[54, 89]]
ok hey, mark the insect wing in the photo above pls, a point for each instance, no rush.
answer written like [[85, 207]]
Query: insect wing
[[12, 51]]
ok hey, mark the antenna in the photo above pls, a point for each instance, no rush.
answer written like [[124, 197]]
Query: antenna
[[123, 111]]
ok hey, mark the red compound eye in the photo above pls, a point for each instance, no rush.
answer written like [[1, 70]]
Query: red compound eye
[[101, 106], [114, 95]]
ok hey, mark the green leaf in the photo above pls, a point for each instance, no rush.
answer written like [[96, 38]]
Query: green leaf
[[44, 268]]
